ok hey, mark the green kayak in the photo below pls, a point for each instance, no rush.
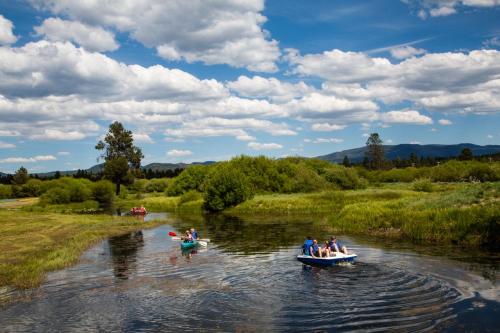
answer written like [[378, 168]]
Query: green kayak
[[188, 245]]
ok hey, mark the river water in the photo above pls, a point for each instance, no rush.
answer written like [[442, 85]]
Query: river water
[[248, 280]]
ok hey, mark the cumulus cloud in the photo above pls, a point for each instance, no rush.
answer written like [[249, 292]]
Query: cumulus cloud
[[179, 153], [328, 140], [90, 37], [6, 145], [39, 158], [326, 127], [63, 153], [142, 138], [406, 52], [439, 81], [212, 31], [264, 146], [405, 117], [9, 133], [272, 88], [6, 34], [444, 122], [437, 8]]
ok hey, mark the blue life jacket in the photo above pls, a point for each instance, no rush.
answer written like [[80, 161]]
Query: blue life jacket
[[195, 234], [314, 248], [307, 244], [331, 246]]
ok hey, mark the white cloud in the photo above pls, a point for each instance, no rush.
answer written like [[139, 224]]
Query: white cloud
[[445, 122], [406, 52], [326, 127], [179, 153], [437, 8], [272, 88], [212, 31], [6, 145], [492, 42], [405, 117], [9, 133], [63, 153], [489, 136], [142, 138], [6, 34], [39, 158], [328, 140], [415, 142], [442, 11], [55, 134], [90, 37], [437, 81], [264, 146]]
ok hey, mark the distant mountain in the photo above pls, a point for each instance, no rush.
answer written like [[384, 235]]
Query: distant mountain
[[404, 151], [98, 168]]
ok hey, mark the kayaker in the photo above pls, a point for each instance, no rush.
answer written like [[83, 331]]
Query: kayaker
[[187, 236], [307, 244], [194, 233]]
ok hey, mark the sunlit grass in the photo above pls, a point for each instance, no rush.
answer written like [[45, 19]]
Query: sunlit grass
[[34, 244]]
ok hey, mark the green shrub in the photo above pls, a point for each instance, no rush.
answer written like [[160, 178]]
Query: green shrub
[[56, 195], [139, 185], [481, 172], [261, 171], [303, 179], [157, 185], [5, 191], [191, 178], [344, 178], [226, 187], [103, 192], [423, 185], [190, 196]]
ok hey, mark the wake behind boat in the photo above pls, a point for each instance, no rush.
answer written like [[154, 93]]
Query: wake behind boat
[[327, 261]]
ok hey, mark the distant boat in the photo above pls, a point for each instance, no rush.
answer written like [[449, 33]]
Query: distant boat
[[138, 211]]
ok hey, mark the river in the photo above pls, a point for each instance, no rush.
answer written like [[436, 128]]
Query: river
[[248, 280]]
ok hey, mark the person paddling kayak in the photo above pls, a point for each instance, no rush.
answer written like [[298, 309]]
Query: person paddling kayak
[[194, 233]]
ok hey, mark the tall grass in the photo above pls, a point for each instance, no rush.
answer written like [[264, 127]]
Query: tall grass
[[34, 244]]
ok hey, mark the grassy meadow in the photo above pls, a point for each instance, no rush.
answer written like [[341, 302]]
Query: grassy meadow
[[34, 244]]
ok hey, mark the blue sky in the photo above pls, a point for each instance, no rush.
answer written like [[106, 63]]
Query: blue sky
[[208, 80]]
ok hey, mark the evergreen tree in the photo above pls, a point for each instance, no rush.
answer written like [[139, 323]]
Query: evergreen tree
[[375, 151], [122, 158], [346, 162], [21, 176], [465, 155]]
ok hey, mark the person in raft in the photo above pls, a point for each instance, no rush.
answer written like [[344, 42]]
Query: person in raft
[[142, 209], [307, 244], [194, 233], [336, 246], [315, 250], [187, 237], [326, 249]]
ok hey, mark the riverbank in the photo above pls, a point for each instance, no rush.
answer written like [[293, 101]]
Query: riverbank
[[33, 244], [461, 214]]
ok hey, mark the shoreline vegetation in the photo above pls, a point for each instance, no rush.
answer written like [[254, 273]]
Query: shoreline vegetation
[[455, 203], [34, 244]]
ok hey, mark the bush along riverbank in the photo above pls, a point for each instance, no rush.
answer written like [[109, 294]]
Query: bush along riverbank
[[462, 214]]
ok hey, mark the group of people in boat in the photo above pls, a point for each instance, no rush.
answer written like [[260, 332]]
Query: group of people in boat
[[138, 210], [329, 249], [190, 235]]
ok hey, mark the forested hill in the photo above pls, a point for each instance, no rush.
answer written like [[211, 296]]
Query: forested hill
[[404, 151]]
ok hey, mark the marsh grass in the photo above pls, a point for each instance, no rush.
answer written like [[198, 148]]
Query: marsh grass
[[460, 213], [34, 244]]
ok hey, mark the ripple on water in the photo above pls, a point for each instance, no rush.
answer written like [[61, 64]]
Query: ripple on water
[[128, 285]]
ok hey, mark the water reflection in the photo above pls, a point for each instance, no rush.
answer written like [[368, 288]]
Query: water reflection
[[123, 251]]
